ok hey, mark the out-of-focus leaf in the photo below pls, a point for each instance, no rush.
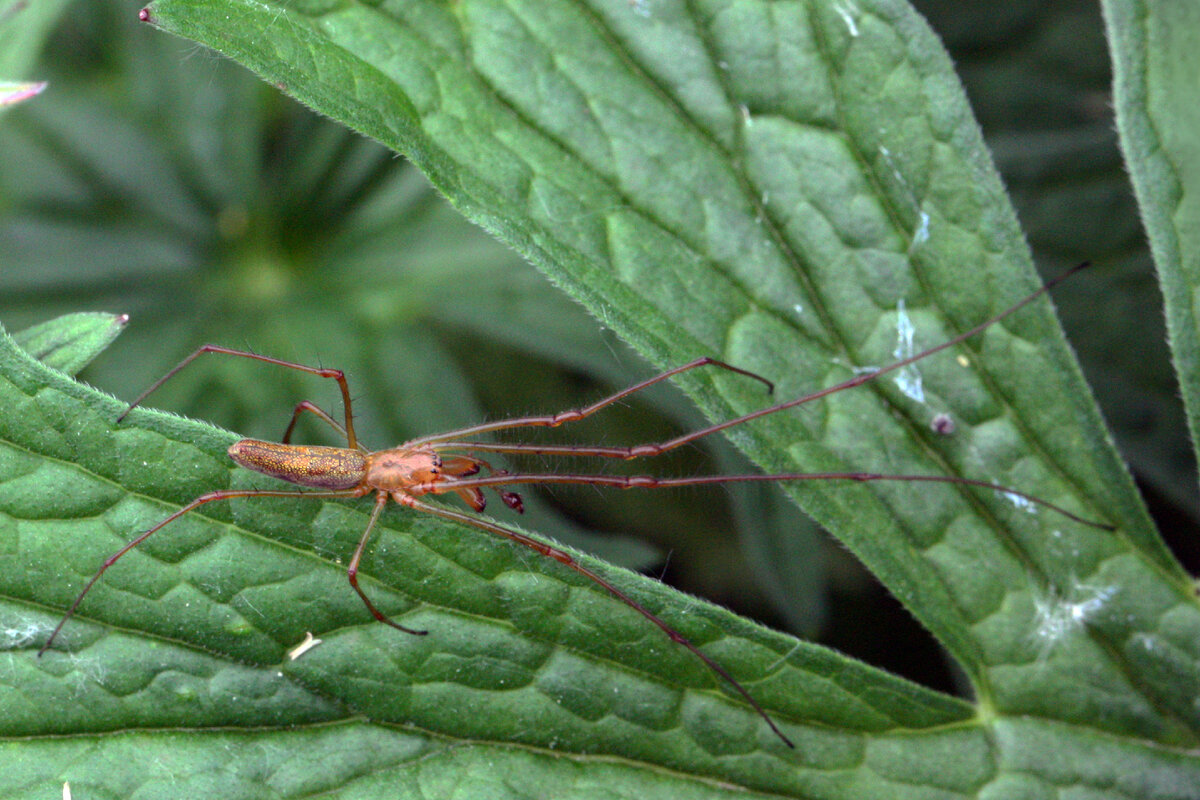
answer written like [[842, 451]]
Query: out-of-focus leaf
[[69, 343], [24, 25]]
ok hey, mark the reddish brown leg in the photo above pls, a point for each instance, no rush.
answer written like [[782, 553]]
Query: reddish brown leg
[[601, 451], [199, 501], [568, 560], [554, 420], [646, 450], [336, 374], [381, 499], [651, 482]]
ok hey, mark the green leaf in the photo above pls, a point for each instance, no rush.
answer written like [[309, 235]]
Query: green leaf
[[762, 182], [1155, 64], [1040, 84], [645, 162], [23, 28], [69, 343], [192, 629]]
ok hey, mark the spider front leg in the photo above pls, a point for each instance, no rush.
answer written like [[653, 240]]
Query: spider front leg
[[321, 372], [574, 415]]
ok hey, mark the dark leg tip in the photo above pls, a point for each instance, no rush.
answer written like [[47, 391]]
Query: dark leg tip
[[513, 501]]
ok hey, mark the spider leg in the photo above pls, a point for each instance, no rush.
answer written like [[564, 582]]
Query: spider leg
[[566, 559], [321, 372], [554, 420], [652, 482], [381, 499], [638, 451], [199, 501]]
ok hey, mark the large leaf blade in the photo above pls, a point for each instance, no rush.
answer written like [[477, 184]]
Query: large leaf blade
[[194, 626], [704, 214], [1042, 653]]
